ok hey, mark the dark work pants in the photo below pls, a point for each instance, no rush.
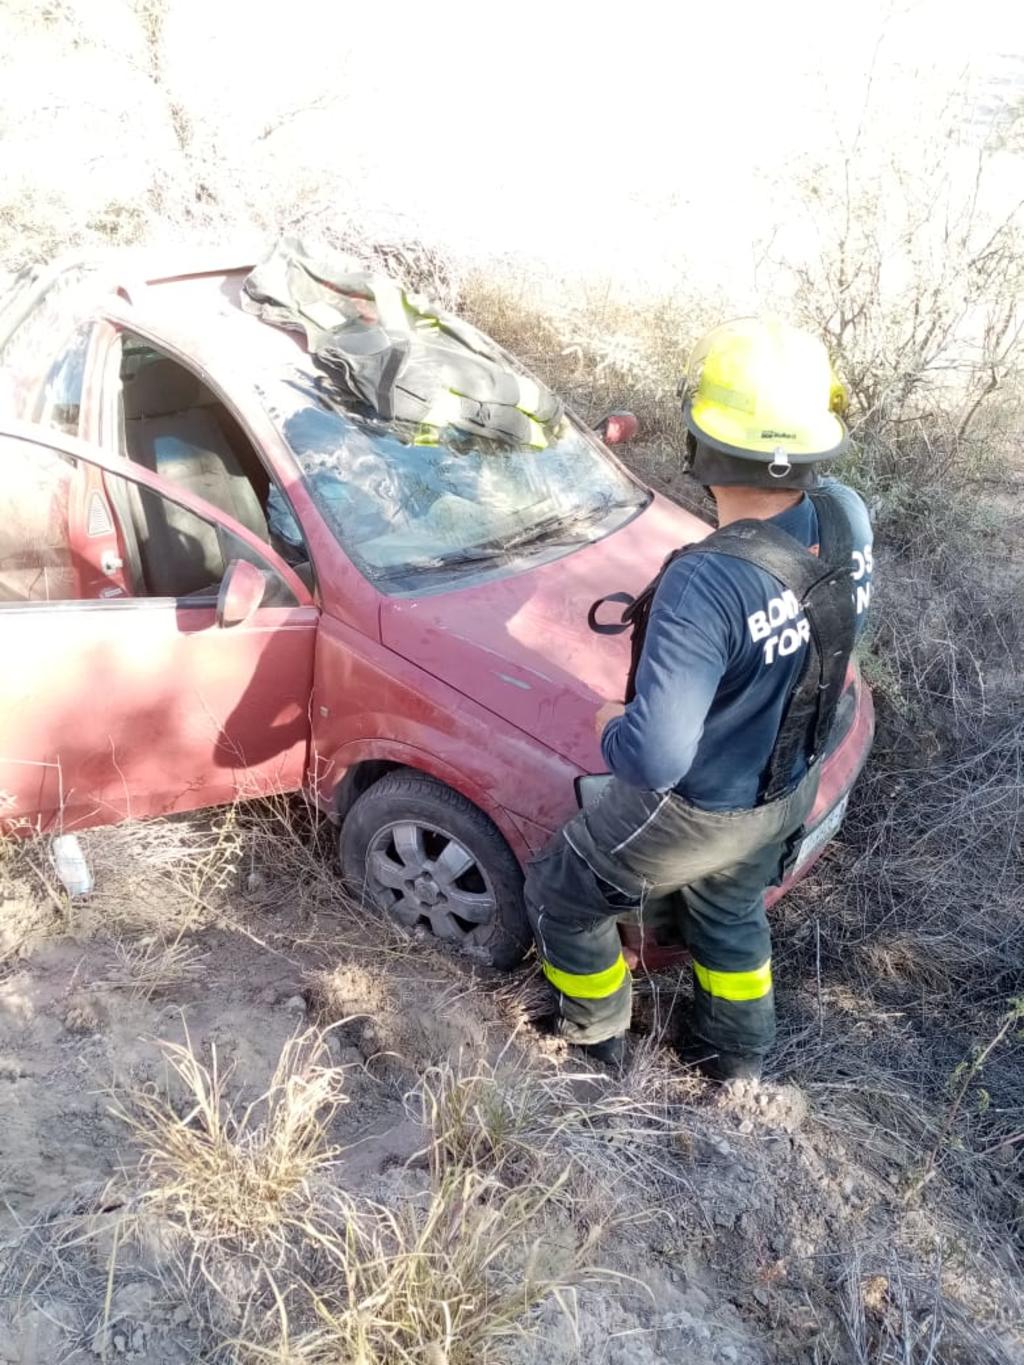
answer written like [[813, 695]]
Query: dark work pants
[[635, 848]]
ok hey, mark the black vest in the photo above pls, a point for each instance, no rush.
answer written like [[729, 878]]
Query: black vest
[[820, 583]]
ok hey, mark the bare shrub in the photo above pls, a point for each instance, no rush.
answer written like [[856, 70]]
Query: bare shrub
[[916, 285]]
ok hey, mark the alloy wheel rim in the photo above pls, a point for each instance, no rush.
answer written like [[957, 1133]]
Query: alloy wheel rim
[[424, 876]]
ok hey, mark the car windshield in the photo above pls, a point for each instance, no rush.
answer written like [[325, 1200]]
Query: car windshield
[[403, 505]]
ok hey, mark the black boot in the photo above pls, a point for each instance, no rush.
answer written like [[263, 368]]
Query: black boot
[[721, 1066], [610, 1052]]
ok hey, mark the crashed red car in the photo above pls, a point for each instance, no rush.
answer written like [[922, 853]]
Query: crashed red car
[[213, 586]]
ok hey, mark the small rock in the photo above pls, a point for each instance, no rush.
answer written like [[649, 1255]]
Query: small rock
[[132, 1300], [762, 1296], [710, 1146], [181, 1315], [295, 1004], [729, 1354], [139, 1340], [746, 1126], [120, 1342]]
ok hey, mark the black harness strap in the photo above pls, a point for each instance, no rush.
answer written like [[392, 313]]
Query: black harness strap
[[821, 585]]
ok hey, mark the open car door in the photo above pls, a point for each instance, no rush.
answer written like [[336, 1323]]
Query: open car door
[[118, 700]]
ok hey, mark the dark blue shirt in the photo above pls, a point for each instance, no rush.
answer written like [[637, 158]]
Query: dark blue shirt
[[724, 648]]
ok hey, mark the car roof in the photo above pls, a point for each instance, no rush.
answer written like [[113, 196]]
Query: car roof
[[194, 300], [191, 297]]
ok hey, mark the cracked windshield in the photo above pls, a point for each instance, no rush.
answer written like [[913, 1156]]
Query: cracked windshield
[[400, 507]]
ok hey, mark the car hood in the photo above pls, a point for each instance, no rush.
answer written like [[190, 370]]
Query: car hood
[[520, 645]]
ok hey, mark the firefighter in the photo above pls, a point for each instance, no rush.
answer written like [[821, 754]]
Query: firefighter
[[741, 647]]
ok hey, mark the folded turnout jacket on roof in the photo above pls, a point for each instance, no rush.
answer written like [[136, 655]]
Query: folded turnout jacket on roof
[[393, 351]]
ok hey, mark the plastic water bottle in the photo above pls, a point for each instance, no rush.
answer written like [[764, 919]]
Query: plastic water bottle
[[71, 866]]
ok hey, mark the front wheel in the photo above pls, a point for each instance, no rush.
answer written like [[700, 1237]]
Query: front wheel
[[427, 856]]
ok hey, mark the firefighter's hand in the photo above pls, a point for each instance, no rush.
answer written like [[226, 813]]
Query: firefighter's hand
[[608, 711]]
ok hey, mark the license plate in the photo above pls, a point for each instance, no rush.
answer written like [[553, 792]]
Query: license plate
[[818, 838]]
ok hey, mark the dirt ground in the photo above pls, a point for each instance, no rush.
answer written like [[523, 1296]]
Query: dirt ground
[[763, 1227]]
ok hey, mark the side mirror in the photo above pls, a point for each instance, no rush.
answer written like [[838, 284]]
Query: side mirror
[[617, 428], [241, 593]]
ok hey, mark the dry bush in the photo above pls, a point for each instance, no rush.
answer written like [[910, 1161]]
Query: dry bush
[[442, 1280], [161, 878], [916, 283], [600, 349], [237, 1177]]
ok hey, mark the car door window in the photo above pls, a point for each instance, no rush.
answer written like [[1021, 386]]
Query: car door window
[[172, 552], [35, 544], [174, 424], [28, 347], [63, 537], [59, 404]]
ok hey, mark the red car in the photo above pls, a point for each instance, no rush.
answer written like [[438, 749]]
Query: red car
[[213, 585]]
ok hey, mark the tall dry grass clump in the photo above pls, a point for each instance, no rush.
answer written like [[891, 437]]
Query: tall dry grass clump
[[444, 1280], [237, 1177]]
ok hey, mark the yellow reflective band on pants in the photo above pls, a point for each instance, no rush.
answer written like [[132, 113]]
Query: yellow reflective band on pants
[[588, 985], [735, 985]]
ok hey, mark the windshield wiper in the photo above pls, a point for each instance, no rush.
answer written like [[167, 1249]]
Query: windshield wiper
[[571, 522], [540, 532]]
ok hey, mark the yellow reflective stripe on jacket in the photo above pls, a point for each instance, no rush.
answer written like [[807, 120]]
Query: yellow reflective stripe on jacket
[[735, 985], [537, 439], [588, 985]]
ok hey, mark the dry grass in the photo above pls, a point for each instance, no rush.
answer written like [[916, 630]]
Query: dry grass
[[252, 1199], [151, 966], [440, 1281], [896, 1313], [230, 1176], [544, 1121]]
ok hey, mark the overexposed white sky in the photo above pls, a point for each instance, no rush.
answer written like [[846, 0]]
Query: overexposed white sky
[[586, 132], [600, 138]]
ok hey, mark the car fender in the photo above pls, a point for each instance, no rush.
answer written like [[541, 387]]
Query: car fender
[[523, 835], [371, 704]]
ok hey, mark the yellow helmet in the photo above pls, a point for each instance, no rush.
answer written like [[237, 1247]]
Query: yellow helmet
[[765, 391]]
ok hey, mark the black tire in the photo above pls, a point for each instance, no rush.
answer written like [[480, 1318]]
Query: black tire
[[424, 854]]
